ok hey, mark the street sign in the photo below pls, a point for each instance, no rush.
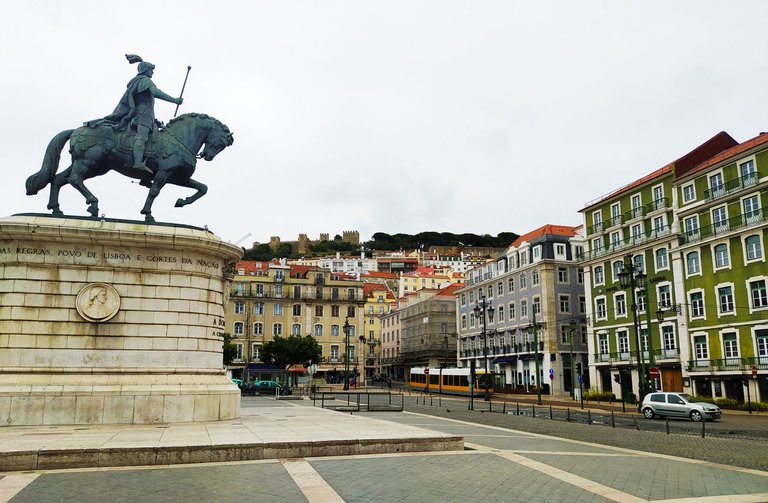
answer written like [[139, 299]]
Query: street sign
[[754, 371], [581, 379], [551, 374], [654, 372], [426, 372]]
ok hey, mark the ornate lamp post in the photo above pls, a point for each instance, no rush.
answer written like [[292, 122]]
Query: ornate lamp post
[[347, 330], [485, 308], [632, 277], [361, 363]]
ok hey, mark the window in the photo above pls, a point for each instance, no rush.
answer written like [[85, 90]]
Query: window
[[597, 219], [297, 309], [582, 304], [636, 203], [535, 277], [277, 329], [500, 313], [523, 281], [278, 309], [335, 311], [751, 209], [622, 339], [560, 250], [692, 226], [334, 353], [621, 304], [463, 321], [662, 259], [637, 232], [523, 308], [721, 256], [278, 291], [725, 299], [239, 307], [238, 352], [318, 310], [536, 305], [697, 304], [600, 310], [758, 294], [350, 311], [237, 329], [597, 245], [580, 276], [500, 288], [256, 352], [642, 299], [761, 342], [730, 345], [512, 312], [258, 328], [658, 224], [658, 195], [562, 274], [754, 247], [599, 275], [664, 295], [716, 184], [689, 193], [511, 285], [618, 266], [615, 214], [693, 263], [602, 342], [720, 219], [536, 252], [615, 238], [318, 330], [668, 337], [259, 290], [296, 329], [258, 308], [748, 172], [700, 347], [565, 304], [335, 330]]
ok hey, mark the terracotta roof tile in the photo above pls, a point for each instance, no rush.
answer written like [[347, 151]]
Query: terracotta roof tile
[[556, 230]]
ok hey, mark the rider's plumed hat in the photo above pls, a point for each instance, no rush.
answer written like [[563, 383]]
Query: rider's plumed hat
[[143, 65]]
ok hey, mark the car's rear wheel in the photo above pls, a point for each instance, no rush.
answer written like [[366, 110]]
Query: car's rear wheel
[[696, 416], [648, 413]]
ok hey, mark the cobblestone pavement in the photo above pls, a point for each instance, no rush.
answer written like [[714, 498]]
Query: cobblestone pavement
[[747, 453], [509, 459]]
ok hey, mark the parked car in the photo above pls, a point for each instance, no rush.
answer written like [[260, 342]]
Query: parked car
[[237, 381], [667, 404], [265, 388]]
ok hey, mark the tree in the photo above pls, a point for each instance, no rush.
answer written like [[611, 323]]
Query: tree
[[230, 350], [294, 349]]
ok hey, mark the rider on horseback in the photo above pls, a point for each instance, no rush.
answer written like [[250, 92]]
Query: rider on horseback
[[137, 108]]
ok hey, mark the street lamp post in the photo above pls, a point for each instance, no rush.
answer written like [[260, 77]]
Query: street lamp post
[[485, 308], [347, 330], [633, 277], [361, 363]]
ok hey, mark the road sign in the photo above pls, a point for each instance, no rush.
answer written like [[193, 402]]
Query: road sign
[[426, 372], [551, 374], [654, 372], [581, 378], [754, 371]]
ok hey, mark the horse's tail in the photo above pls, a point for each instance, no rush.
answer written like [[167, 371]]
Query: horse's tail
[[50, 163]]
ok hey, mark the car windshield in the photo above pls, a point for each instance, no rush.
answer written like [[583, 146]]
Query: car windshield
[[686, 397]]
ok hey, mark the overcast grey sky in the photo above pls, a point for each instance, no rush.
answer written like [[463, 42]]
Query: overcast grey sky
[[398, 116]]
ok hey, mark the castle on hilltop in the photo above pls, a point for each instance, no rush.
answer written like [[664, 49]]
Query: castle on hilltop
[[302, 245]]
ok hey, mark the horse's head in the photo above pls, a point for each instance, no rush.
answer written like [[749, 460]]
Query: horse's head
[[219, 138]]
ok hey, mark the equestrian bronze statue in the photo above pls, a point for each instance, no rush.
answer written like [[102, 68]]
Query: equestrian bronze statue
[[131, 142]]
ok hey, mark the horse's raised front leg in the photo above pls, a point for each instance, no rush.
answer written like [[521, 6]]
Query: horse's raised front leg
[[201, 188], [157, 185], [60, 180], [76, 178]]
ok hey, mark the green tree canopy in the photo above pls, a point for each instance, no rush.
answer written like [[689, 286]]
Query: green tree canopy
[[230, 350], [291, 350]]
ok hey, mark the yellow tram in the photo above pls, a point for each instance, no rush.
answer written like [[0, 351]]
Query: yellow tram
[[453, 381]]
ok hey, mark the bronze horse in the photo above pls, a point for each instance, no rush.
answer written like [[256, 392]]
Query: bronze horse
[[98, 150]]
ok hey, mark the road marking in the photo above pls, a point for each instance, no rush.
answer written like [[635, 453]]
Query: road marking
[[314, 487], [734, 498], [11, 485], [569, 478]]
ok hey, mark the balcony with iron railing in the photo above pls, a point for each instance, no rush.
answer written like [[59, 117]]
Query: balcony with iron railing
[[615, 220], [634, 213], [728, 364], [245, 291], [731, 186], [632, 241], [732, 224], [595, 229], [658, 204], [630, 357]]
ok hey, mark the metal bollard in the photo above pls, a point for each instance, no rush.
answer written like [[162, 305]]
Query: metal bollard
[[490, 406], [533, 408], [504, 409], [550, 413], [517, 406], [589, 416], [613, 420], [703, 428], [666, 419], [568, 414]]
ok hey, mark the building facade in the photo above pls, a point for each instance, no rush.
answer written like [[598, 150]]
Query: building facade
[[535, 306], [269, 299]]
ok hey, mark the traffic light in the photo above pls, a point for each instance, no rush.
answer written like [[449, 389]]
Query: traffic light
[[578, 368]]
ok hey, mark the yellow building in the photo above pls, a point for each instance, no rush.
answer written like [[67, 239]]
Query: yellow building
[[269, 299], [379, 300]]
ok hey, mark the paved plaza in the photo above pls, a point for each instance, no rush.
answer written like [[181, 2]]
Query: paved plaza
[[498, 464]]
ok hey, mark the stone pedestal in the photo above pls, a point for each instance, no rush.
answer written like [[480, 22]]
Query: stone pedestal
[[105, 321]]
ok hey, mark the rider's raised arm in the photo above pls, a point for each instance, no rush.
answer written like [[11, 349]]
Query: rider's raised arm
[[157, 93]]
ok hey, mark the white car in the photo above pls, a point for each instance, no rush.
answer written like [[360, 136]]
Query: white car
[[666, 404]]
